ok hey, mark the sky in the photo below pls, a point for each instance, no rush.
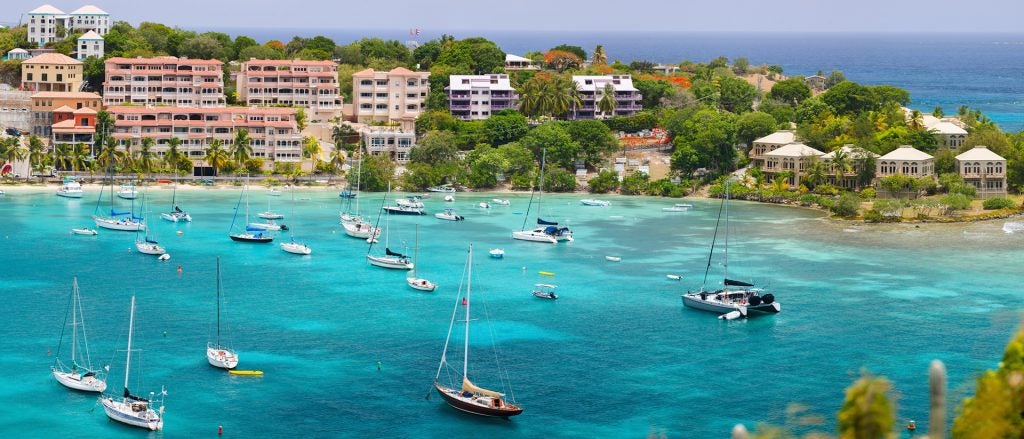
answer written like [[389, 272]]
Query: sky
[[441, 16]]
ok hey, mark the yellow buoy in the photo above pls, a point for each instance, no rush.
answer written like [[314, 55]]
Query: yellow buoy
[[246, 372]]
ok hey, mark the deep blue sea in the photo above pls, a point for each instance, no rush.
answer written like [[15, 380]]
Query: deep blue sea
[[982, 71], [617, 355]]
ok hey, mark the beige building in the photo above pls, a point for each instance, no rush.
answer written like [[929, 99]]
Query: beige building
[[983, 169], [794, 157], [273, 130], [164, 80], [396, 96], [312, 85], [45, 103], [393, 142], [855, 158], [770, 143], [948, 134], [905, 160], [51, 72]]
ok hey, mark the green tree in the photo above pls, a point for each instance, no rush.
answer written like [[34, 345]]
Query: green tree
[[241, 149], [754, 125], [740, 65], [737, 95], [653, 91], [435, 148], [575, 50], [485, 163], [850, 98], [11, 149], [606, 106], [472, 56], [599, 57], [311, 149], [604, 182], [146, 157], [636, 183], [37, 154], [505, 127], [242, 43], [834, 77], [706, 140], [559, 180], [206, 46], [561, 149], [376, 172], [791, 91], [594, 138], [173, 157], [300, 118], [867, 412]]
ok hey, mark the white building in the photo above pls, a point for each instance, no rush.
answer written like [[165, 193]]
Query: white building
[[948, 134], [474, 97], [592, 90], [90, 44], [770, 143], [516, 62], [45, 21], [42, 24], [794, 158], [89, 18], [17, 53], [906, 160], [983, 169], [390, 141]]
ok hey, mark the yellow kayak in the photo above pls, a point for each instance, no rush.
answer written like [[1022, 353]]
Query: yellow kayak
[[246, 372], [547, 273]]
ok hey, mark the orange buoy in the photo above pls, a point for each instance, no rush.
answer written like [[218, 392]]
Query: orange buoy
[[220, 430], [911, 426]]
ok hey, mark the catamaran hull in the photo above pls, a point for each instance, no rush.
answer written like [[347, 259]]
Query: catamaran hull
[[455, 399], [85, 384], [123, 413], [693, 300], [392, 263], [124, 226]]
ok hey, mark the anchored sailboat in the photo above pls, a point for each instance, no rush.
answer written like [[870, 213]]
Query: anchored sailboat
[[355, 226], [413, 281], [250, 234], [78, 375], [469, 397], [145, 244], [546, 231], [128, 408], [391, 259], [217, 354], [118, 220], [176, 214], [294, 247]]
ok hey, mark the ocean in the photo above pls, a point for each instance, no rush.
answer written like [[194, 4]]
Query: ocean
[[948, 70], [617, 355]]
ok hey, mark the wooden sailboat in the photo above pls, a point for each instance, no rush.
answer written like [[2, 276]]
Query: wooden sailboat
[[250, 234], [77, 375], [413, 281], [469, 397], [128, 408], [546, 231], [217, 354], [391, 259]]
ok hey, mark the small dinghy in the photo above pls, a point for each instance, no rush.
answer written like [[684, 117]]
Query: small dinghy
[[613, 258], [246, 372], [484, 205], [545, 291], [673, 276], [164, 257], [449, 215], [85, 231], [449, 198], [502, 201], [595, 202], [497, 253]]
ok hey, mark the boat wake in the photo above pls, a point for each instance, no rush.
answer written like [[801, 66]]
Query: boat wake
[[1012, 227]]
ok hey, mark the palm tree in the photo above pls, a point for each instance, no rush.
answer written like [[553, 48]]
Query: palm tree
[[216, 156], [563, 95], [300, 119], [607, 103], [599, 57], [37, 154], [311, 149], [241, 151], [916, 121], [841, 164], [11, 150], [146, 160], [337, 160], [61, 156], [531, 97], [78, 157], [173, 156]]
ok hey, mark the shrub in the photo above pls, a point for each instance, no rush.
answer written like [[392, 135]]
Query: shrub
[[559, 180], [636, 183], [868, 193], [808, 199], [998, 203], [826, 189], [962, 188], [956, 201], [925, 184], [873, 216], [606, 181], [847, 205]]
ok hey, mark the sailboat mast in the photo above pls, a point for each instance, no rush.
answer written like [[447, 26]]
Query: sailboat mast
[[74, 319], [469, 288], [726, 232], [246, 200], [359, 178], [416, 251], [218, 301], [540, 193], [131, 329]]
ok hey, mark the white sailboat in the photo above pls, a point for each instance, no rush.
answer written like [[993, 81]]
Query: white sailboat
[[354, 224], [413, 281], [176, 214], [546, 231], [217, 354], [730, 303], [469, 397], [118, 220], [250, 234], [292, 246], [77, 375], [147, 245], [130, 409], [391, 259], [269, 213]]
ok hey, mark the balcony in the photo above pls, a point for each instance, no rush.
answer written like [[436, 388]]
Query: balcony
[[454, 107]]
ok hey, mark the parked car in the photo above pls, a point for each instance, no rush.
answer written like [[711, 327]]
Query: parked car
[[13, 132]]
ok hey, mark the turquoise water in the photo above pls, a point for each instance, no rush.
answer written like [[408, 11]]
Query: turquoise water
[[616, 356]]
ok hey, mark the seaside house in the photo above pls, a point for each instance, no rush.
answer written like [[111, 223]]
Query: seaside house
[[515, 62], [90, 44], [396, 96], [476, 97], [312, 85], [71, 127], [47, 24], [667, 69], [45, 104], [592, 90], [51, 72], [815, 82], [948, 134], [768, 144], [273, 131], [164, 80], [17, 53], [846, 175], [905, 160], [984, 169], [793, 158], [393, 142]]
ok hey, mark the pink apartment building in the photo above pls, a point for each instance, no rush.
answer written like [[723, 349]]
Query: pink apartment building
[[164, 80], [309, 84]]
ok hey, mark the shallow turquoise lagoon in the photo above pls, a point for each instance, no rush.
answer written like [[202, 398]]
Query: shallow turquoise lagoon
[[616, 356]]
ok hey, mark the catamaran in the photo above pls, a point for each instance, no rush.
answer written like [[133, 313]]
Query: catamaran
[[730, 303], [217, 354], [469, 397], [130, 409], [250, 234], [418, 283], [79, 375], [546, 231]]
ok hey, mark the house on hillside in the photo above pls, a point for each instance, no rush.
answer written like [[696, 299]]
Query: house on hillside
[[905, 160], [983, 169], [770, 143], [848, 175], [794, 157]]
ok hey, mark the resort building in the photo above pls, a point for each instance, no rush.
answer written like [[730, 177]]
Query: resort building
[[312, 85], [47, 24], [948, 134], [516, 62], [770, 143], [273, 130], [396, 96], [164, 80], [853, 160], [983, 169], [71, 127], [17, 53], [792, 160], [476, 97], [90, 44], [46, 104], [390, 141], [905, 160], [51, 72], [15, 108], [592, 89]]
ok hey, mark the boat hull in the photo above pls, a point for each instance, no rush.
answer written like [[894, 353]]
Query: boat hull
[[695, 301], [360, 230], [599, 203], [149, 248], [421, 284], [176, 217], [532, 236], [449, 217], [404, 210], [89, 232], [221, 357], [296, 248], [70, 194], [270, 215], [122, 225], [123, 413], [389, 262], [476, 405], [78, 382], [248, 237]]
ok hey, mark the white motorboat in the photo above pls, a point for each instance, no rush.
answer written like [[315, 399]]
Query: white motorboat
[[595, 202], [484, 205], [545, 291], [270, 215], [730, 303], [128, 192], [449, 215], [404, 210], [673, 277], [130, 409], [412, 201], [679, 207], [78, 375], [85, 231], [546, 231], [449, 198], [418, 283], [497, 253], [443, 188], [217, 354], [70, 189], [502, 201]]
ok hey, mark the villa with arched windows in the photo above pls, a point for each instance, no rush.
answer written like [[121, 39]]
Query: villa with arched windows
[[905, 160], [983, 169]]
